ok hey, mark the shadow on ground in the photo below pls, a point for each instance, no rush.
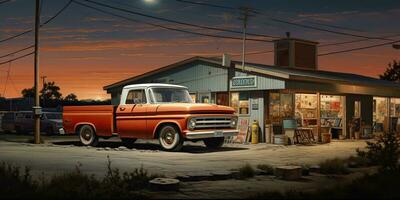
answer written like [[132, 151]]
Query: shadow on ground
[[153, 146]]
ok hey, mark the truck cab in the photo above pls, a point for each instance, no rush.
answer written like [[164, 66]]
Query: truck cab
[[154, 111]]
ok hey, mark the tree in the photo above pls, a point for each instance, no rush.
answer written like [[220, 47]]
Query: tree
[[392, 73], [49, 95], [28, 92], [51, 91], [71, 97]]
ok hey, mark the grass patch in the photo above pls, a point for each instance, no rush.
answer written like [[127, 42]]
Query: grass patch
[[16, 184], [377, 186], [247, 171], [334, 166]]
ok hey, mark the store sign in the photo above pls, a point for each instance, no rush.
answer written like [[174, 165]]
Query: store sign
[[244, 82]]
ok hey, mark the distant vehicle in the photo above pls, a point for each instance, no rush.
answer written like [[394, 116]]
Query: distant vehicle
[[50, 122], [153, 111], [8, 122]]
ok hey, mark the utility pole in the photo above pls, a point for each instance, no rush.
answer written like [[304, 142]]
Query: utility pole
[[245, 17], [44, 92], [37, 110]]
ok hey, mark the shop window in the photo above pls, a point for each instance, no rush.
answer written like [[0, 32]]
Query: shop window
[[395, 114], [240, 102], [280, 107], [194, 97], [243, 104], [306, 110], [357, 109], [331, 111], [380, 114]]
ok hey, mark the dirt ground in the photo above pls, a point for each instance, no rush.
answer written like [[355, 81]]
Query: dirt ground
[[61, 154]]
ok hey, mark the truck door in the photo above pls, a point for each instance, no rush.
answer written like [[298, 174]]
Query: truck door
[[131, 117]]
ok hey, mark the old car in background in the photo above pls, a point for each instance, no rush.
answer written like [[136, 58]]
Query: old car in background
[[8, 122], [50, 122]]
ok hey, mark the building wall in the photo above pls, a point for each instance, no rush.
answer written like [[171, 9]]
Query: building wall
[[197, 76], [263, 83]]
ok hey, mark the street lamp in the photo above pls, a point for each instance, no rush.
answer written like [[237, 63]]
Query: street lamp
[[396, 46]]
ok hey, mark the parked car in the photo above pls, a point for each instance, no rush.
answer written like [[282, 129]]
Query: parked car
[[8, 122], [50, 122], [153, 111]]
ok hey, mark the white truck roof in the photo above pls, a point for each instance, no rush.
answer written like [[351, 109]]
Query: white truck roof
[[145, 85]]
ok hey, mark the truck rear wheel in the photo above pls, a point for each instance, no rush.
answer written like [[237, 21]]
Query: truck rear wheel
[[88, 136], [170, 139], [214, 143]]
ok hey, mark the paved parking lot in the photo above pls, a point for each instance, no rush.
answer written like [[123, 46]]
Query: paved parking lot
[[60, 154]]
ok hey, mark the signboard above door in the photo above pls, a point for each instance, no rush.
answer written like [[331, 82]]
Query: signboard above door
[[244, 82]]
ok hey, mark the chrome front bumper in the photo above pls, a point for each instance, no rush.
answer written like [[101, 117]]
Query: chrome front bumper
[[210, 134]]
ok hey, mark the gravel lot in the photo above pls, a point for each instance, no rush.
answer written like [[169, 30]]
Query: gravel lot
[[60, 154]]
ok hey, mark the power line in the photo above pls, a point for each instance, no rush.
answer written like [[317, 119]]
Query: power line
[[5, 1], [359, 48], [45, 23], [12, 53], [166, 27], [17, 58], [177, 22], [288, 22]]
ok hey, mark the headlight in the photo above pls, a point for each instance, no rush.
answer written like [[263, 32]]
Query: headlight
[[192, 124], [234, 122]]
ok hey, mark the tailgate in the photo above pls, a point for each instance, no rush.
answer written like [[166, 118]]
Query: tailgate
[[100, 117]]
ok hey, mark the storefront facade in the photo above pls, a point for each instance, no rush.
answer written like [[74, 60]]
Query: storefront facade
[[326, 102]]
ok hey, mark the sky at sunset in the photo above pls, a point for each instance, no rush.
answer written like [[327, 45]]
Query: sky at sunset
[[83, 50]]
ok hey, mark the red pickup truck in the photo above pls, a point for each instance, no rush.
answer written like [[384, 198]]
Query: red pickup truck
[[153, 111]]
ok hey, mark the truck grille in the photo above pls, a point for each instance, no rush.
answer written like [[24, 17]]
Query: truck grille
[[212, 122]]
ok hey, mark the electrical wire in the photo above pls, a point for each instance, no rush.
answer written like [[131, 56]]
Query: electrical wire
[[17, 58], [178, 22], [9, 54], [359, 48], [288, 22], [45, 23], [166, 27], [5, 1]]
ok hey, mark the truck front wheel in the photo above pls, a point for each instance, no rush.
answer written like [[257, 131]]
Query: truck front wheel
[[170, 139], [88, 136], [214, 143]]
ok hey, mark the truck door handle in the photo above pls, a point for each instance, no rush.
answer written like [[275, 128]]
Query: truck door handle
[[122, 109]]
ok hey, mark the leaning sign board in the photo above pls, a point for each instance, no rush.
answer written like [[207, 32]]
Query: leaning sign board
[[244, 82]]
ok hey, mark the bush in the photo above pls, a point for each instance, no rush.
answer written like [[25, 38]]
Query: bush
[[74, 185], [385, 152], [334, 166], [246, 171], [268, 169]]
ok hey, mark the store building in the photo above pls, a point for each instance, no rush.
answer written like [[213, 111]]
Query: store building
[[294, 88]]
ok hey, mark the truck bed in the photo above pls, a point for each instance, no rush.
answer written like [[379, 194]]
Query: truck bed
[[100, 117]]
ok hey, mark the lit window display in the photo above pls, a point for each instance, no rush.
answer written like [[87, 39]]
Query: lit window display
[[306, 110], [240, 102], [395, 114], [380, 113], [280, 107], [331, 111]]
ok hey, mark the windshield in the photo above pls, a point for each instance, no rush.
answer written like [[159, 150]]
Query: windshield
[[171, 95], [53, 116]]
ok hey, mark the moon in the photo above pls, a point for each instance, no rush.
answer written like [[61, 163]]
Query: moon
[[150, 1]]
